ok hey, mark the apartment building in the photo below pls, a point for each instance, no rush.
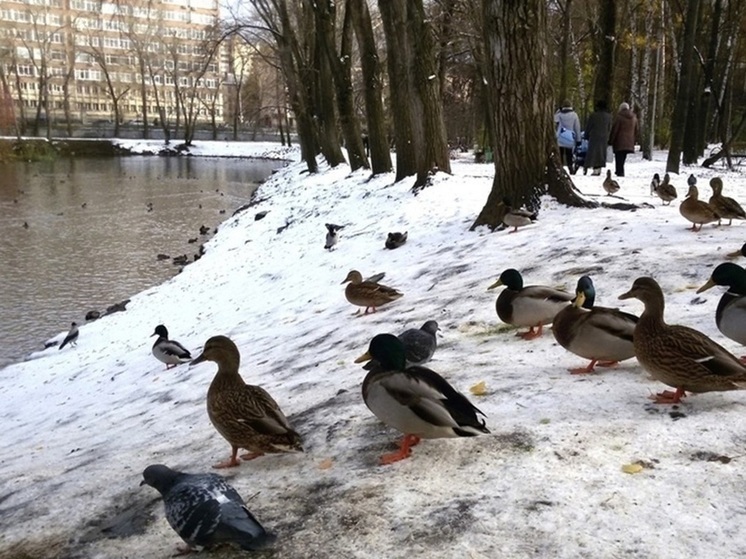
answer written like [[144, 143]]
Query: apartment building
[[94, 60]]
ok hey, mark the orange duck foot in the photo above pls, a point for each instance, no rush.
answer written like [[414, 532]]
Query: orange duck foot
[[405, 450], [251, 455], [232, 462], [531, 334], [584, 370], [669, 397]]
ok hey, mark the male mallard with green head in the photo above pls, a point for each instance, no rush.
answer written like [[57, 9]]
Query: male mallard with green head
[[414, 400], [730, 315], [368, 294], [600, 334], [679, 356], [533, 306], [245, 415]]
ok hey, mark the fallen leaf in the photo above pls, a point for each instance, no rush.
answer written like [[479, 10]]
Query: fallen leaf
[[326, 463], [632, 468], [479, 389]]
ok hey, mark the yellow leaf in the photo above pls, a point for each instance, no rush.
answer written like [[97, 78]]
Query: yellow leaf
[[479, 389], [632, 468], [325, 464]]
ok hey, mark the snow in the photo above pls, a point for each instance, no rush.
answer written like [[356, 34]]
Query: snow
[[80, 425]]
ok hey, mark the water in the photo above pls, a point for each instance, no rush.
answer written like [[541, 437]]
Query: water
[[92, 239]]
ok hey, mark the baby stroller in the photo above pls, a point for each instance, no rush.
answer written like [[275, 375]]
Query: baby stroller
[[578, 155]]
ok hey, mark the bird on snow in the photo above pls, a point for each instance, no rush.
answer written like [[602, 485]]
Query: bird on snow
[[420, 343], [610, 185], [666, 191], [692, 180], [72, 336], [395, 240], [726, 208], [205, 510], [167, 351], [517, 217], [332, 235], [654, 184]]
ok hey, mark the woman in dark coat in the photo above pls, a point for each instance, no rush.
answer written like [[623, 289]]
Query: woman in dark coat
[[623, 134], [597, 130]]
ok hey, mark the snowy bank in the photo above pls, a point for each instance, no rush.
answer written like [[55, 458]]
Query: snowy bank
[[81, 424]]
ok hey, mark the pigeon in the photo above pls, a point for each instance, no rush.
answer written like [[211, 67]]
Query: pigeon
[[420, 343], [654, 184], [167, 351], [395, 240], [692, 180], [332, 235], [204, 510], [72, 336]]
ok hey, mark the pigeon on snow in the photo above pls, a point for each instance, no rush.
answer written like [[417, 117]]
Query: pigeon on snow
[[72, 336], [332, 235], [204, 510], [420, 343]]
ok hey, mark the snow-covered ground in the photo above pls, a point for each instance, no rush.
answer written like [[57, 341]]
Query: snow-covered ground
[[80, 425]]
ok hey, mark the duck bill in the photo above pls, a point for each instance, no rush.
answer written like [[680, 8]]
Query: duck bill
[[735, 254], [498, 283], [627, 295], [199, 359], [579, 300], [364, 357], [707, 286]]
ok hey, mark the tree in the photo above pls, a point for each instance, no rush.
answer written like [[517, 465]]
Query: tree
[[519, 91], [606, 42]]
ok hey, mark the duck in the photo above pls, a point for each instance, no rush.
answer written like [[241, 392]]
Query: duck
[[416, 401], [601, 334], [654, 184], [726, 208], [72, 336], [697, 211], [610, 185], [679, 356], [368, 294], [666, 191], [730, 315], [245, 415], [533, 306], [519, 217], [395, 240], [170, 352]]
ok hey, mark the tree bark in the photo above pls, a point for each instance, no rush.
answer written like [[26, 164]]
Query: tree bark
[[380, 153], [681, 108], [606, 41]]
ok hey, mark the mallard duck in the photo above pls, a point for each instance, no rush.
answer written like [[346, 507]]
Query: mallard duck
[[534, 306], [697, 211], [666, 191], [726, 208], [420, 343], [517, 217], [167, 351], [245, 415], [415, 400], [610, 185], [730, 315], [72, 336], [600, 334], [679, 356], [654, 184], [368, 294], [205, 510], [395, 240]]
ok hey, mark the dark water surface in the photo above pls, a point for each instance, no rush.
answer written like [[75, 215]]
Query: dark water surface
[[92, 239]]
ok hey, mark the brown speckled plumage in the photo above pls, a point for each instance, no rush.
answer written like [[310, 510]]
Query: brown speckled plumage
[[726, 208], [245, 415], [697, 211], [368, 294], [679, 356]]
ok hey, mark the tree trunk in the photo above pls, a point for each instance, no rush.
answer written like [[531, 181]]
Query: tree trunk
[[518, 85], [339, 66], [645, 115], [606, 42], [564, 48], [681, 108], [325, 111], [380, 153]]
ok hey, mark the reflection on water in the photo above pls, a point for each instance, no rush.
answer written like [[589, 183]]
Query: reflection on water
[[80, 234]]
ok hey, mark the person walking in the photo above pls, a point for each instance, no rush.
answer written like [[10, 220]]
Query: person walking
[[597, 131], [567, 128], [624, 130]]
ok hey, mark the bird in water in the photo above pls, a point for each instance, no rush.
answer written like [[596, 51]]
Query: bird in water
[[332, 235], [414, 400], [245, 415], [72, 336], [167, 351], [205, 510]]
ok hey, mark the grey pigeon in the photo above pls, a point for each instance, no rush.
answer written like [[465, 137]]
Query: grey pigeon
[[332, 235], [654, 184], [420, 343], [204, 510], [72, 336], [692, 180]]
